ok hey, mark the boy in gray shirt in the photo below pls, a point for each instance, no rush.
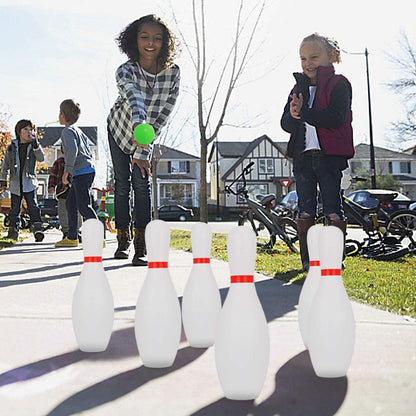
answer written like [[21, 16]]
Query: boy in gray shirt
[[78, 164]]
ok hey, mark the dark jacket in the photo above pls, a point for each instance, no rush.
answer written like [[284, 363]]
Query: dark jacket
[[330, 114]]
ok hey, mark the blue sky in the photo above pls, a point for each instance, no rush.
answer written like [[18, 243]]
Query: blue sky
[[55, 50]]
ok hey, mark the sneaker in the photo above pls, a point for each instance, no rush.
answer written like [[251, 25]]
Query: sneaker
[[66, 242], [138, 261]]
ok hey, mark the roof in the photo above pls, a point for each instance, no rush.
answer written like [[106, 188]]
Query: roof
[[411, 150], [51, 135], [177, 177], [249, 148], [173, 154], [234, 150], [362, 151]]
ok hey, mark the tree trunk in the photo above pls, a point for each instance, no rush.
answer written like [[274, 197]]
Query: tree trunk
[[154, 189], [203, 205]]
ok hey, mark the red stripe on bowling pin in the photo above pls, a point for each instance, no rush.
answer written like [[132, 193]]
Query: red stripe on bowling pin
[[331, 272], [201, 260], [314, 263], [242, 279], [158, 265], [93, 259]]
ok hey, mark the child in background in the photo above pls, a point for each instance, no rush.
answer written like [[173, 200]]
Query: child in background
[[79, 169], [318, 117], [61, 190], [148, 85], [20, 165]]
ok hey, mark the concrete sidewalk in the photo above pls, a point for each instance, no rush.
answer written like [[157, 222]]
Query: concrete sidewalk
[[42, 372]]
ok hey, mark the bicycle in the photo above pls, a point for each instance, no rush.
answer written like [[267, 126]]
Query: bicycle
[[385, 238], [266, 224]]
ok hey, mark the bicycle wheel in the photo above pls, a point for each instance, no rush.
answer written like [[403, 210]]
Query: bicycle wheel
[[265, 239], [290, 236], [385, 252], [402, 224], [352, 247]]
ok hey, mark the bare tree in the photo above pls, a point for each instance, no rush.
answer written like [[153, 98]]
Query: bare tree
[[169, 137], [213, 105], [404, 60]]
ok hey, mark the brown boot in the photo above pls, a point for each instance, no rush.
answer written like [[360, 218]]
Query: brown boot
[[139, 248], [342, 225], [124, 240], [303, 225]]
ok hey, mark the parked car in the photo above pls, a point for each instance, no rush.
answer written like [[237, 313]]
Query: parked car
[[48, 206], [363, 198], [290, 202], [174, 213]]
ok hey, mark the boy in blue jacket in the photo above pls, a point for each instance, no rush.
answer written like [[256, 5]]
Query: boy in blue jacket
[[79, 169]]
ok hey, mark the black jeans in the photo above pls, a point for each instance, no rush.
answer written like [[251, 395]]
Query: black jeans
[[124, 179], [16, 208], [79, 199], [312, 168]]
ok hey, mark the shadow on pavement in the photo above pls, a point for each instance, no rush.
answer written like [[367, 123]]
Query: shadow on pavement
[[295, 381], [298, 392], [6, 283], [122, 344], [48, 268], [118, 386]]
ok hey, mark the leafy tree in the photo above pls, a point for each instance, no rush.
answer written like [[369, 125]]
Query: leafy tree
[[5, 134], [383, 182]]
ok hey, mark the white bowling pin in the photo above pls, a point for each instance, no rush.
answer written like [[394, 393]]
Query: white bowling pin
[[92, 303], [332, 328], [158, 314], [242, 342], [201, 302], [310, 286]]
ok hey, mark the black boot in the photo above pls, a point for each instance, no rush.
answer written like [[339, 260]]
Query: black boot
[[139, 248], [342, 225], [124, 240], [13, 233], [303, 225], [38, 232]]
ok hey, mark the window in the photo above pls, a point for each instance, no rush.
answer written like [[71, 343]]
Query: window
[[178, 166], [404, 167], [266, 166], [180, 193], [253, 191], [399, 167]]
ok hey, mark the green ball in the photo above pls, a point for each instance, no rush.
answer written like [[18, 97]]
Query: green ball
[[144, 133]]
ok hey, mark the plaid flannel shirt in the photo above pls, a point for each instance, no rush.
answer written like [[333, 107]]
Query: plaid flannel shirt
[[137, 103], [55, 176]]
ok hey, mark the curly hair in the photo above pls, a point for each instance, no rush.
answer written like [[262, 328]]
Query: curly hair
[[127, 41], [330, 45]]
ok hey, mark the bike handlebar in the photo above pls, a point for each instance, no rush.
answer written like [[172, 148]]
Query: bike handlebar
[[246, 170]]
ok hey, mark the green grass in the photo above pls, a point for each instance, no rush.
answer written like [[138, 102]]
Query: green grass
[[389, 285]]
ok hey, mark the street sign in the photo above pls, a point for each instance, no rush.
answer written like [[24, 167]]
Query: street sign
[[285, 182]]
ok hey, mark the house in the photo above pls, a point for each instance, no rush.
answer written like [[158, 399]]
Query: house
[[49, 139], [402, 166], [272, 171], [178, 177]]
